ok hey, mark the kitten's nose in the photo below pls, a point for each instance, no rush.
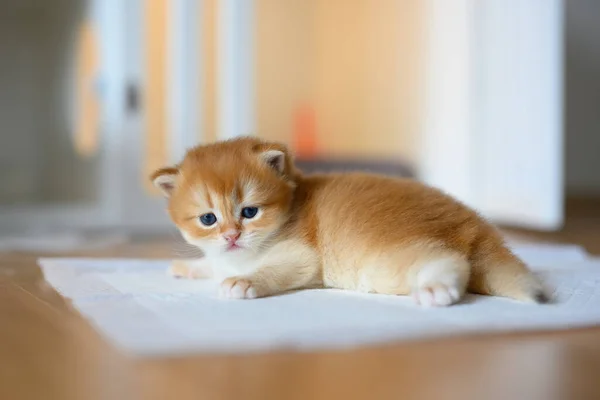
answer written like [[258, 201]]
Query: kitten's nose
[[231, 236]]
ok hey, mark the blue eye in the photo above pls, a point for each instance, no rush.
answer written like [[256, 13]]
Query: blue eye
[[249, 212], [208, 219]]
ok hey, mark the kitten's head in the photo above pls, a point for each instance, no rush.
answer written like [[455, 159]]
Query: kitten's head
[[229, 197]]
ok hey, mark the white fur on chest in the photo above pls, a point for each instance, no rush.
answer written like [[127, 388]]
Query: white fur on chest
[[230, 265], [284, 255]]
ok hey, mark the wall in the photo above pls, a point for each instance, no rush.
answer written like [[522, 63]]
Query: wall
[[19, 152], [285, 37], [38, 161], [582, 39], [356, 62]]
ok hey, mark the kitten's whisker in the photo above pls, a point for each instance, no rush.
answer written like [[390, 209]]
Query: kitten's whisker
[[185, 250]]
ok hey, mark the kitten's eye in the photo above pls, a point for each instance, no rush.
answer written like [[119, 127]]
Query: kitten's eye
[[208, 219], [249, 212]]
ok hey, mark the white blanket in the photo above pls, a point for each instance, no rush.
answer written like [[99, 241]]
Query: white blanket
[[147, 313]]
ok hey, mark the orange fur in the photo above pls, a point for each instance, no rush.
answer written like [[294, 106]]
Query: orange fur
[[351, 231]]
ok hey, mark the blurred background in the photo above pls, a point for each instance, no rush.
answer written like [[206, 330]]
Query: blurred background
[[494, 101]]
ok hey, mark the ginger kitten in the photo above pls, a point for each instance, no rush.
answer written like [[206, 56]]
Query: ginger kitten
[[265, 229]]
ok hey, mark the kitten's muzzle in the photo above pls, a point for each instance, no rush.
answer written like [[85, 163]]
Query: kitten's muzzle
[[232, 236]]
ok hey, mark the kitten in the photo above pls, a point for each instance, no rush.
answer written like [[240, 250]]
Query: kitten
[[265, 229]]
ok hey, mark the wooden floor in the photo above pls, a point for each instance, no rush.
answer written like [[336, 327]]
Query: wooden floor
[[47, 351]]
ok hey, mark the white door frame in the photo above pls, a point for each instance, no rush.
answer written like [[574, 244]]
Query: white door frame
[[235, 91], [448, 118], [235, 69], [184, 71], [494, 130], [141, 209]]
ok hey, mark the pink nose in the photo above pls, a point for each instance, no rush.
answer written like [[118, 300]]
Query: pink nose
[[232, 236]]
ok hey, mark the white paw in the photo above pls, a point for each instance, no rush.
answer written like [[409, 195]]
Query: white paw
[[237, 288], [436, 295], [176, 271], [188, 270], [179, 269]]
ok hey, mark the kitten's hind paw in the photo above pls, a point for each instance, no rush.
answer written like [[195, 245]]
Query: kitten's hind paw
[[441, 281], [237, 288], [436, 295]]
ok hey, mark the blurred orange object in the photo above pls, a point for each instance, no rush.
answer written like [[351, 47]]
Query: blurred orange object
[[305, 132], [86, 138]]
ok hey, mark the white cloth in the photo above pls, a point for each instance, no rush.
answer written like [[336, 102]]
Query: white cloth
[[137, 306]]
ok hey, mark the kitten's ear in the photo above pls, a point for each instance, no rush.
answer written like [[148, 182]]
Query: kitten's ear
[[164, 179], [277, 156], [275, 159]]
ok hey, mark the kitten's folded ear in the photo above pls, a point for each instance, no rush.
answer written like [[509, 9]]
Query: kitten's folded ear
[[164, 179], [276, 156], [275, 159]]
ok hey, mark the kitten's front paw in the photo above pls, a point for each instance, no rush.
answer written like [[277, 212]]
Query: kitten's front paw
[[180, 269], [436, 295], [237, 288], [194, 269]]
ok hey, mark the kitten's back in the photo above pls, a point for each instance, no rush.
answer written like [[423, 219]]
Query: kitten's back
[[377, 210], [363, 224]]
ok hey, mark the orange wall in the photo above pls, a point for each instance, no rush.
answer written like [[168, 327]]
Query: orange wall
[[88, 107], [156, 143], [284, 63], [356, 62], [208, 59]]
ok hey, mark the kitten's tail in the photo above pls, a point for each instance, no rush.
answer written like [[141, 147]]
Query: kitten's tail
[[496, 271]]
